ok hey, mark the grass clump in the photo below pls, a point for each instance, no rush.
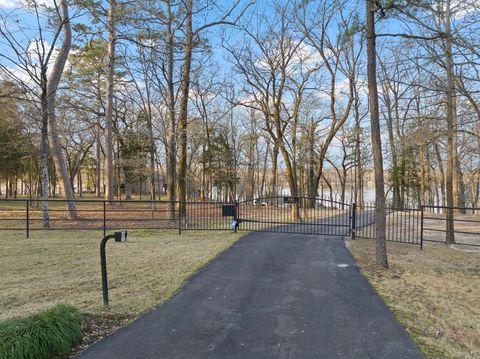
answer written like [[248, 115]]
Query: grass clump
[[48, 334]]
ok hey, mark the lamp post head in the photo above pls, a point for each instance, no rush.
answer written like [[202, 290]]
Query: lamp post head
[[121, 236]]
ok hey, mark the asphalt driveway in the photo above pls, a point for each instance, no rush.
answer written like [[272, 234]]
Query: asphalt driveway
[[270, 295]]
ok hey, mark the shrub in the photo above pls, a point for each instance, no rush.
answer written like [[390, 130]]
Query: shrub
[[48, 334]]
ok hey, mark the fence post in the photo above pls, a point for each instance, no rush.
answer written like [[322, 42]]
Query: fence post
[[354, 220], [180, 218], [28, 218], [421, 227], [235, 217], [104, 218]]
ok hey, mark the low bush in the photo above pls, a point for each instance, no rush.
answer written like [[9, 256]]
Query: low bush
[[48, 334]]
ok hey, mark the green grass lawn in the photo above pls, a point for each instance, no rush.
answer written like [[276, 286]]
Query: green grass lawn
[[434, 293], [64, 267]]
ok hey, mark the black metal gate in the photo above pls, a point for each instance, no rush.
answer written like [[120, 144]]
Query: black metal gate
[[304, 215]]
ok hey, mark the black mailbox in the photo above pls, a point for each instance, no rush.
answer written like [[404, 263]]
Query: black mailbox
[[228, 210]]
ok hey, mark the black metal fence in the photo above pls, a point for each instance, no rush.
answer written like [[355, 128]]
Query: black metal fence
[[402, 225], [419, 225], [273, 214], [466, 224], [206, 215], [27, 215]]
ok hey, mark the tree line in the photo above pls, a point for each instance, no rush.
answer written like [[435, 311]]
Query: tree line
[[205, 99]]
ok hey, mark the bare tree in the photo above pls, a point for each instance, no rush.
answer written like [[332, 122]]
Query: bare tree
[[52, 86], [183, 113], [450, 235], [277, 76], [380, 212], [109, 177], [32, 58], [339, 57], [191, 36]]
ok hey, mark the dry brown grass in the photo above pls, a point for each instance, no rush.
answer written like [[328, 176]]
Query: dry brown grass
[[435, 294], [64, 267]]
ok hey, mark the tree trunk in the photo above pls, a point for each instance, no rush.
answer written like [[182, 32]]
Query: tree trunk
[[312, 185], [292, 183], [108, 173], [458, 184], [421, 193], [152, 158], [262, 190], [15, 184], [476, 192], [450, 228], [358, 183], [52, 85], [98, 167], [44, 173], [183, 114], [80, 183], [380, 214], [128, 190], [441, 173], [330, 189], [171, 146], [396, 201], [343, 186], [273, 183]]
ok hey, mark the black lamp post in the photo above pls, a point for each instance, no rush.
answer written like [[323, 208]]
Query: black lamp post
[[120, 236]]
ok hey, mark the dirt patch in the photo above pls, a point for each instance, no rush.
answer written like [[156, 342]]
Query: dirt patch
[[95, 328]]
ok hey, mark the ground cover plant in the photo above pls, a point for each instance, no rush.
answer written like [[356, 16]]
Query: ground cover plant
[[48, 334]]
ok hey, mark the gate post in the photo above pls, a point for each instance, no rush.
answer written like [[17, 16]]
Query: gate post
[[353, 220], [235, 217], [421, 227]]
